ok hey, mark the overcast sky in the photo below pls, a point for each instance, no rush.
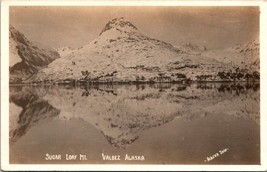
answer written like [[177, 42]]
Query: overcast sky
[[213, 27]]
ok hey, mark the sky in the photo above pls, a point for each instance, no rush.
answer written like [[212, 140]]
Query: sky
[[213, 27]]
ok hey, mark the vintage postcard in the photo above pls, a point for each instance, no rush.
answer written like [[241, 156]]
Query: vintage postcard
[[133, 85]]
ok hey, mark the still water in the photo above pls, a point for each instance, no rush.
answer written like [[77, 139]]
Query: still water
[[210, 123]]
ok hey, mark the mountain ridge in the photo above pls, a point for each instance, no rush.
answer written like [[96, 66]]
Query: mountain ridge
[[121, 53], [26, 57]]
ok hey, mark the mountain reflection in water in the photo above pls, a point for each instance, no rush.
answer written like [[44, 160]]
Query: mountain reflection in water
[[124, 112]]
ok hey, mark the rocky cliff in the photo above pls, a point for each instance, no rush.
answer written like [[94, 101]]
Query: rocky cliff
[[25, 57]]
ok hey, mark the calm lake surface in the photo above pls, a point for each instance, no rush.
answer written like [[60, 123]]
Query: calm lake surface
[[164, 123]]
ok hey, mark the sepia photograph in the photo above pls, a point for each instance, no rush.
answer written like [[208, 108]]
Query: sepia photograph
[[133, 85]]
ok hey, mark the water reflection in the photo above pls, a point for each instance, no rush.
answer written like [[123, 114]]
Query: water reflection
[[122, 112], [33, 110]]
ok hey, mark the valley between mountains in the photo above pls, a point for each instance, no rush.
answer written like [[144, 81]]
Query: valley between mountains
[[121, 53]]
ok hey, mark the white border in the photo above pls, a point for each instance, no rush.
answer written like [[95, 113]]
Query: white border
[[82, 167]]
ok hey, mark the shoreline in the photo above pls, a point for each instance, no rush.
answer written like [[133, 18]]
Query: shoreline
[[126, 83]]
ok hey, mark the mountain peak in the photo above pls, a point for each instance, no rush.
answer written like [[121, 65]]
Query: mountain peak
[[119, 24]]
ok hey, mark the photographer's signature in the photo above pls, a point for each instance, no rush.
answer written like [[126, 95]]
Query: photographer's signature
[[212, 157]]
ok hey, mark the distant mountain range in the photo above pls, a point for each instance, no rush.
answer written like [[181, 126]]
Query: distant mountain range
[[121, 53], [66, 50]]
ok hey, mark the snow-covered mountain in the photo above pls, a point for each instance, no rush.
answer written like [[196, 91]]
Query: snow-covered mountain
[[242, 56], [26, 57], [122, 53]]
